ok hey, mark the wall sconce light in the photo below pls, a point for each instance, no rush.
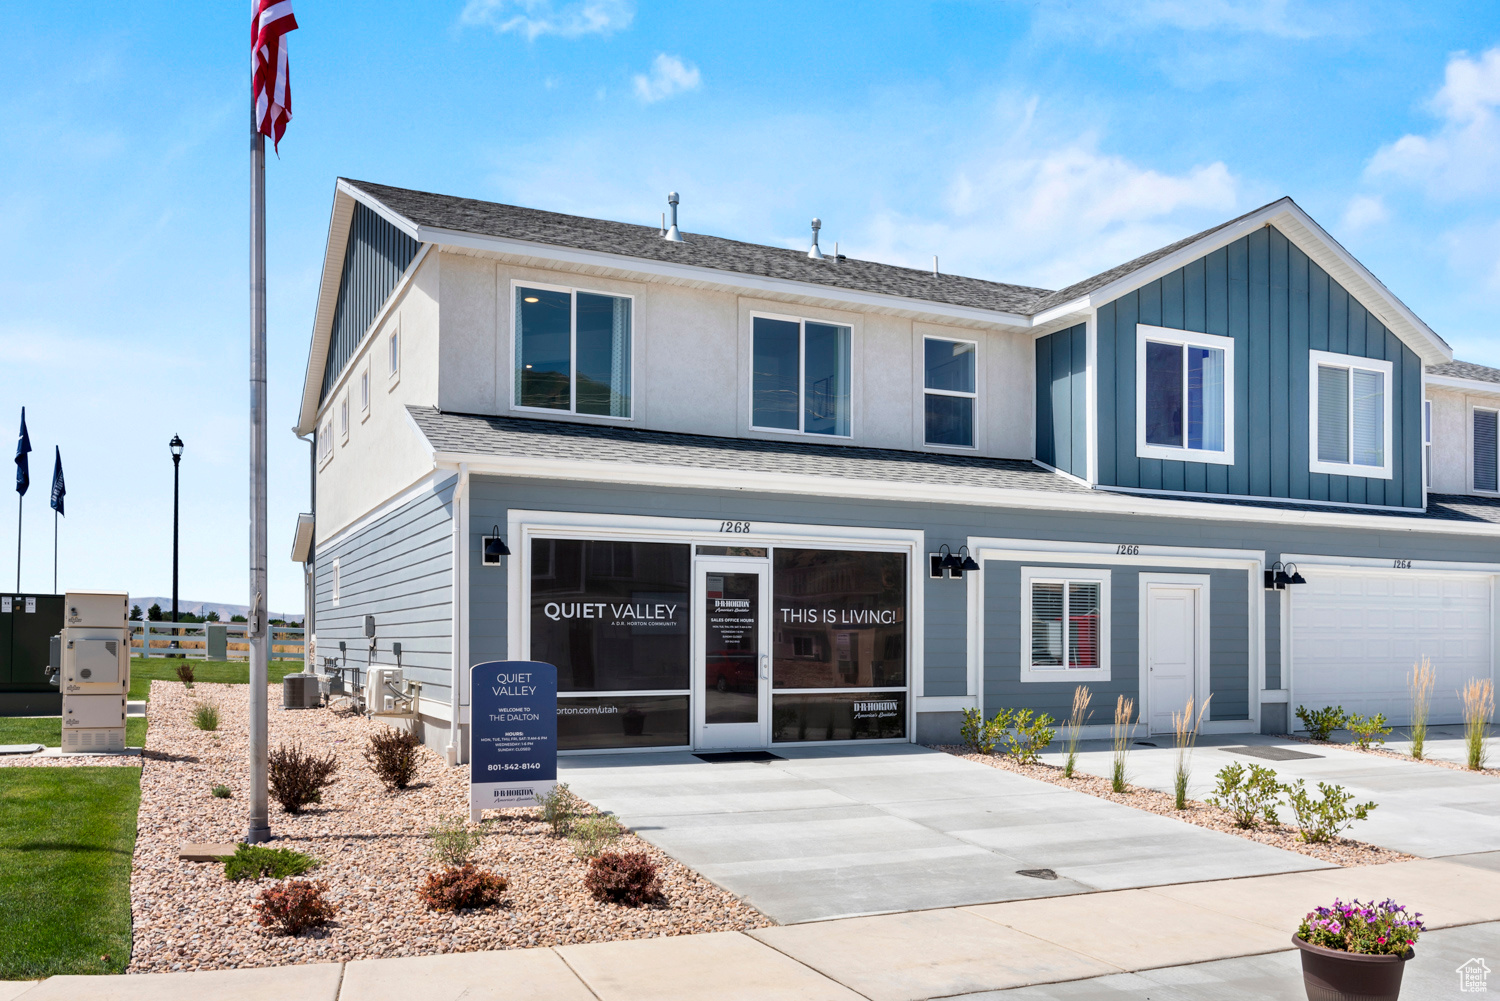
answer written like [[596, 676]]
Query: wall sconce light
[[1279, 575], [946, 563], [968, 561], [494, 549]]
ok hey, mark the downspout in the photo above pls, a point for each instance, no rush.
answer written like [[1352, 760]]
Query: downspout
[[460, 642], [310, 568]]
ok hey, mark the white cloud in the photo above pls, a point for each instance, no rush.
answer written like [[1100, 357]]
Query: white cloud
[[669, 75], [534, 18], [1364, 211], [1462, 155]]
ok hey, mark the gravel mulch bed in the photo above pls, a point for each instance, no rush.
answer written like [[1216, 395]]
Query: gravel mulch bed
[[1340, 851], [70, 760], [1386, 752], [373, 849]]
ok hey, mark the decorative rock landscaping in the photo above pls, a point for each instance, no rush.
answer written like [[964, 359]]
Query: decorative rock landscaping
[[373, 847]]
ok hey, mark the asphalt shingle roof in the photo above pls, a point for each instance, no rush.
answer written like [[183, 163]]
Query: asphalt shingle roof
[[1465, 370], [468, 215], [531, 437]]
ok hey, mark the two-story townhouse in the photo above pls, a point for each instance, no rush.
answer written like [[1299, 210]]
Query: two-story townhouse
[[745, 495]]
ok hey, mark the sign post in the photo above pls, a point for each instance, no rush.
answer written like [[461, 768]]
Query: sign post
[[512, 734]]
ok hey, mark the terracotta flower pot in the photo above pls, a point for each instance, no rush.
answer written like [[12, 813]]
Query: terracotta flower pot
[[1334, 975]]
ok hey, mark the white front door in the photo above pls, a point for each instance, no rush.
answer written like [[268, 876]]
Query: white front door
[[731, 653], [1172, 650]]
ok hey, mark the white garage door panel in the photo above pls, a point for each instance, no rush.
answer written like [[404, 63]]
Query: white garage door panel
[[1355, 637]]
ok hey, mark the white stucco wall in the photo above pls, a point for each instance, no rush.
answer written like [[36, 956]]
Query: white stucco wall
[[691, 358], [1451, 458]]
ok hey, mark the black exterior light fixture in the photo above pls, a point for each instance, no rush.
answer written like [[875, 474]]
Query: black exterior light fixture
[[1279, 575], [967, 563], [494, 548], [946, 563]]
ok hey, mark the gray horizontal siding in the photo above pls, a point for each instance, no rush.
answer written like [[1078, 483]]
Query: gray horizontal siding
[[398, 569], [1277, 305], [1061, 400]]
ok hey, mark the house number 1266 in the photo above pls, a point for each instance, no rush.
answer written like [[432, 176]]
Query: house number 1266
[[739, 527], [1124, 550]]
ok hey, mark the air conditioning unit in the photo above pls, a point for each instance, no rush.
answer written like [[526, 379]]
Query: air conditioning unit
[[382, 683], [300, 691]]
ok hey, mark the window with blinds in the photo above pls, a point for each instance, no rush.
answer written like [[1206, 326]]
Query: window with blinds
[[1486, 465], [1064, 621], [1351, 415]]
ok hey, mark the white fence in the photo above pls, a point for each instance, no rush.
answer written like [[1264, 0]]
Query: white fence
[[193, 640]]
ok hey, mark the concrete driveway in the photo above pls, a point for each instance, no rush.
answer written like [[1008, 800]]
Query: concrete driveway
[[1423, 809], [835, 832]]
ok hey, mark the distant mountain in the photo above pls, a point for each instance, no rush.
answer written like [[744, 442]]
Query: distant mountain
[[204, 607]]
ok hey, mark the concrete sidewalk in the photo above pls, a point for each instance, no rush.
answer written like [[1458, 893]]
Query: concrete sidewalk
[[891, 957]]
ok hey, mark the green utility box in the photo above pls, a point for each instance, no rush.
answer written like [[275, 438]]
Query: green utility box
[[27, 624]]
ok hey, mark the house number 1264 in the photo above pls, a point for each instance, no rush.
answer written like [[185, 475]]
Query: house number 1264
[[739, 527], [1401, 564]]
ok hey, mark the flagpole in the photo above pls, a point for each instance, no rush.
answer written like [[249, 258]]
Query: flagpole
[[260, 825], [20, 507], [54, 551]]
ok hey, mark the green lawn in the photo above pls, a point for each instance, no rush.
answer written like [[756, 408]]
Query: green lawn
[[234, 672], [48, 730], [66, 837]]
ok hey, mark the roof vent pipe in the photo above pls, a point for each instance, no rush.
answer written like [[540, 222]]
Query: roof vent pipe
[[815, 253], [672, 233]]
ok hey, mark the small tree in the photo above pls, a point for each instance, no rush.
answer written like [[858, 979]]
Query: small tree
[[135, 613], [211, 617], [153, 614], [237, 618]]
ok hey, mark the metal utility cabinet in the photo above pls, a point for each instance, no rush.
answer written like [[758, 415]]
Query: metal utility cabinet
[[27, 624], [95, 677]]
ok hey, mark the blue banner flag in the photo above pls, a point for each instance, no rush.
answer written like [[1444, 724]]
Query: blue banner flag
[[59, 488], [23, 470]]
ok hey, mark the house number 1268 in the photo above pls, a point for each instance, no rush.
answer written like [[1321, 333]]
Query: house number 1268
[[739, 527]]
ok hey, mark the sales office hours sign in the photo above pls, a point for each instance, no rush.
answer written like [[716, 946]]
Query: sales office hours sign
[[512, 734]]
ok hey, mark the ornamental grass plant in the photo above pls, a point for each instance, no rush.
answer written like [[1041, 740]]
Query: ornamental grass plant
[[1421, 681], [1185, 727], [1479, 708], [1082, 696], [206, 716], [1383, 929], [1124, 708]]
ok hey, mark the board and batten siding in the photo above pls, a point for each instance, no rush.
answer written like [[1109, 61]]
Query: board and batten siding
[[1062, 400], [375, 257], [1262, 291], [1228, 637], [400, 570]]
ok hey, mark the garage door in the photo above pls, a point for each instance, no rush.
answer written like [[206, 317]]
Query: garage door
[[1356, 635]]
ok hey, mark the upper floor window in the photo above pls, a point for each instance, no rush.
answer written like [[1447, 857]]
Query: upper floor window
[[573, 351], [1486, 460], [1184, 395], [949, 384], [1350, 419], [344, 417], [364, 391], [800, 376], [393, 352], [325, 441]]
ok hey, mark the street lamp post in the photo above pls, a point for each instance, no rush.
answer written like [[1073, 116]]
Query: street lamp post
[[176, 446]]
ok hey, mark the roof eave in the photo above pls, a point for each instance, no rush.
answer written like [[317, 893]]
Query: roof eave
[[1467, 385], [339, 219]]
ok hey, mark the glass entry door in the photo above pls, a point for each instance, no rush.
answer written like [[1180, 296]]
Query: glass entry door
[[731, 653]]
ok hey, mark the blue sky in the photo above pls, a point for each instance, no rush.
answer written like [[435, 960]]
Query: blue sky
[[1033, 142]]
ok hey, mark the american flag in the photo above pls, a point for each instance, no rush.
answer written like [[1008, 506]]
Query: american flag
[[272, 85]]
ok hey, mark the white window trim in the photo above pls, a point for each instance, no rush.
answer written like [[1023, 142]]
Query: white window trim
[[974, 413], [335, 588], [344, 418], [516, 285], [1473, 454], [1066, 574], [325, 443], [1316, 465], [365, 392], [393, 353], [1167, 335], [802, 322]]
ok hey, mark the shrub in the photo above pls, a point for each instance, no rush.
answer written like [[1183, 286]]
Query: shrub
[[1185, 731], [206, 716], [392, 755], [453, 840], [1322, 819], [1479, 706], [1371, 929], [462, 887], [592, 834], [1319, 723], [1249, 798], [291, 906], [1028, 737], [1421, 682], [185, 675], [221, 791], [1082, 696], [623, 878], [980, 735], [297, 778], [1367, 730], [1121, 737], [559, 807], [257, 861]]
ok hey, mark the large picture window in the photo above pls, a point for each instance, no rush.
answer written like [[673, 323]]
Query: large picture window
[[949, 392], [613, 616], [572, 351], [1064, 624], [1184, 395], [1350, 415], [800, 376]]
